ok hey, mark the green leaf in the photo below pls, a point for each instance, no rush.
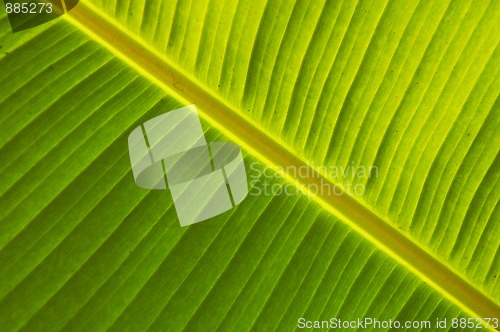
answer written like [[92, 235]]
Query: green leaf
[[410, 89]]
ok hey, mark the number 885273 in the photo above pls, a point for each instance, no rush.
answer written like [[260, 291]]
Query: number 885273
[[28, 8]]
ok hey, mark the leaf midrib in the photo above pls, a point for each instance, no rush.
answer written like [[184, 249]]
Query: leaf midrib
[[161, 71]]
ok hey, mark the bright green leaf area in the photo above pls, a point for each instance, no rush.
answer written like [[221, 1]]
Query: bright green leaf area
[[408, 87]]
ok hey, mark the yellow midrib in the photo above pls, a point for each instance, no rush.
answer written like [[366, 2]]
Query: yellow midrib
[[64, 6], [161, 71]]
